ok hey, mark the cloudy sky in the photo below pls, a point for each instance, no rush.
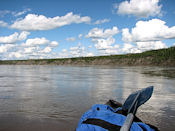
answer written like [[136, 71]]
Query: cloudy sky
[[32, 29]]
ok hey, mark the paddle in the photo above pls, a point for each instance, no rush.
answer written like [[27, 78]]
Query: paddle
[[132, 103]]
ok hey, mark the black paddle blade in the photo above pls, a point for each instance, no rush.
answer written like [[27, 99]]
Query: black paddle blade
[[142, 96]]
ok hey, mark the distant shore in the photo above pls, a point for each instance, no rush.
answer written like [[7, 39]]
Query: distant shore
[[162, 57]]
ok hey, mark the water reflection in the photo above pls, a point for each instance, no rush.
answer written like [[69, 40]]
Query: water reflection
[[54, 97]]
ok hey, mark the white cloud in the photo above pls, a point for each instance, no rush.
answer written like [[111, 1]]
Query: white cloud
[[139, 47], [151, 45], [139, 8], [126, 36], [129, 48], [16, 14], [15, 55], [146, 35], [101, 21], [39, 41], [4, 12], [80, 36], [41, 22], [54, 43], [102, 44], [71, 39], [36, 41], [5, 48], [64, 50], [79, 44], [103, 40], [46, 50], [21, 52], [90, 46], [111, 50], [30, 49], [152, 30], [74, 48], [77, 51], [63, 54], [100, 33], [89, 54], [11, 39], [23, 35], [3, 24]]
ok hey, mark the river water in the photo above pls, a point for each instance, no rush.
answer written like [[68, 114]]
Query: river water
[[54, 97]]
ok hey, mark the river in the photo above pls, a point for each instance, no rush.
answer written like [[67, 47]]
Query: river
[[54, 97]]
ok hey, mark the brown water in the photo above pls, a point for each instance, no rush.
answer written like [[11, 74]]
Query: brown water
[[53, 98]]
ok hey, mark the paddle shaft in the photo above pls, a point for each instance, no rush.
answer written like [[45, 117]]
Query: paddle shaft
[[128, 122], [131, 112]]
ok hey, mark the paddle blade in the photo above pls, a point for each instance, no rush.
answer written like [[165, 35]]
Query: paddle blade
[[144, 95]]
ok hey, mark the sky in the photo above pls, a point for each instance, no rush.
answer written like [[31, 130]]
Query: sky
[[44, 29]]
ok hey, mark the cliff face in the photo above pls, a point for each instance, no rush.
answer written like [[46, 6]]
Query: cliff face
[[163, 57]]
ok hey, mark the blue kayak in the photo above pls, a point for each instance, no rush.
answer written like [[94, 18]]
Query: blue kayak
[[103, 117]]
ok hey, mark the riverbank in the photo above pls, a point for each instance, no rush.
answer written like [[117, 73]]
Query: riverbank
[[162, 57]]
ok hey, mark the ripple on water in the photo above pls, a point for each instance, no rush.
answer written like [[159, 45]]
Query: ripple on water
[[55, 97]]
